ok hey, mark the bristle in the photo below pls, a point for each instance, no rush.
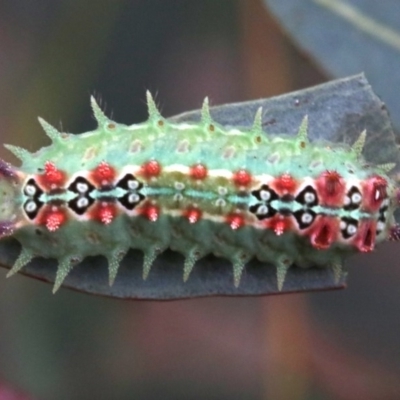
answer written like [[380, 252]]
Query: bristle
[[64, 268], [101, 118], [302, 133], [358, 145], [50, 131], [205, 112], [257, 124], [190, 261], [113, 264], [154, 113], [239, 261], [19, 152], [149, 257], [281, 270], [337, 269], [385, 168], [23, 259]]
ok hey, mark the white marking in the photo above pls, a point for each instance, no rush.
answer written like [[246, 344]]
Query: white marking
[[309, 197], [347, 200], [30, 190], [178, 197], [179, 186], [82, 187], [222, 191], [351, 229], [133, 198], [306, 218], [265, 195], [31, 206], [343, 225], [132, 184], [377, 195], [356, 198], [220, 203], [82, 202], [262, 210], [380, 226]]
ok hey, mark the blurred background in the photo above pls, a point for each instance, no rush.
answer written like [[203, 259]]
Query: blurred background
[[53, 55]]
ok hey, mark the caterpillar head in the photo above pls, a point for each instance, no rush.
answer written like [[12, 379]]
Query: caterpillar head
[[9, 180]]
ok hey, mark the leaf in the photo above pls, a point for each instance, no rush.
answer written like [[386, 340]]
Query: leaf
[[347, 37], [337, 111]]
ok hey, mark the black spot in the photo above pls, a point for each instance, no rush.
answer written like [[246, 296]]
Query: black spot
[[300, 218], [302, 197], [77, 183], [32, 207], [352, 223], [123, 183], [266, 188], [262, 211], [352, 205], [131, 200]]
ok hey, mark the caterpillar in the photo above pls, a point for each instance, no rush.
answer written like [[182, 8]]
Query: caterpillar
[[196, 188]]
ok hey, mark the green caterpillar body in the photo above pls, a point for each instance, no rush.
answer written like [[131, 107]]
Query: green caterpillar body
[[196, 188]]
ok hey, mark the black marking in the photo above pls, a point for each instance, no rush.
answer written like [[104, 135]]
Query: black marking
[[308, 197], [77, 185], [353, 205], [130, 183], [262, 211], [350, 228], [260, 194], [82, 187], [131, 200], [33, 205], [305, 218]]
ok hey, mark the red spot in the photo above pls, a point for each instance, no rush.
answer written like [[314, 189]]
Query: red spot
[[279, 224], [374, 192], [324, 232], [151, 212], [193, 215], [104, 212], [235, 221], [103, 174], [365, 238], [331, 188], [151, 169], [52, 217], [284, 184], [52, 177], [198, 171], [241, 178]]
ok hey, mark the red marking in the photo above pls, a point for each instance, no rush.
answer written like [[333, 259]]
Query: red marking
[[151, 212], [235, 221], [104, 212], [198, 171], [242, 178], [193, 215], [103, 174], [331, 188], [151, 169], [324, 232], [374, 192], [365, 237], [52, 177], [279, 224], [284, 184], [52, 217]]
